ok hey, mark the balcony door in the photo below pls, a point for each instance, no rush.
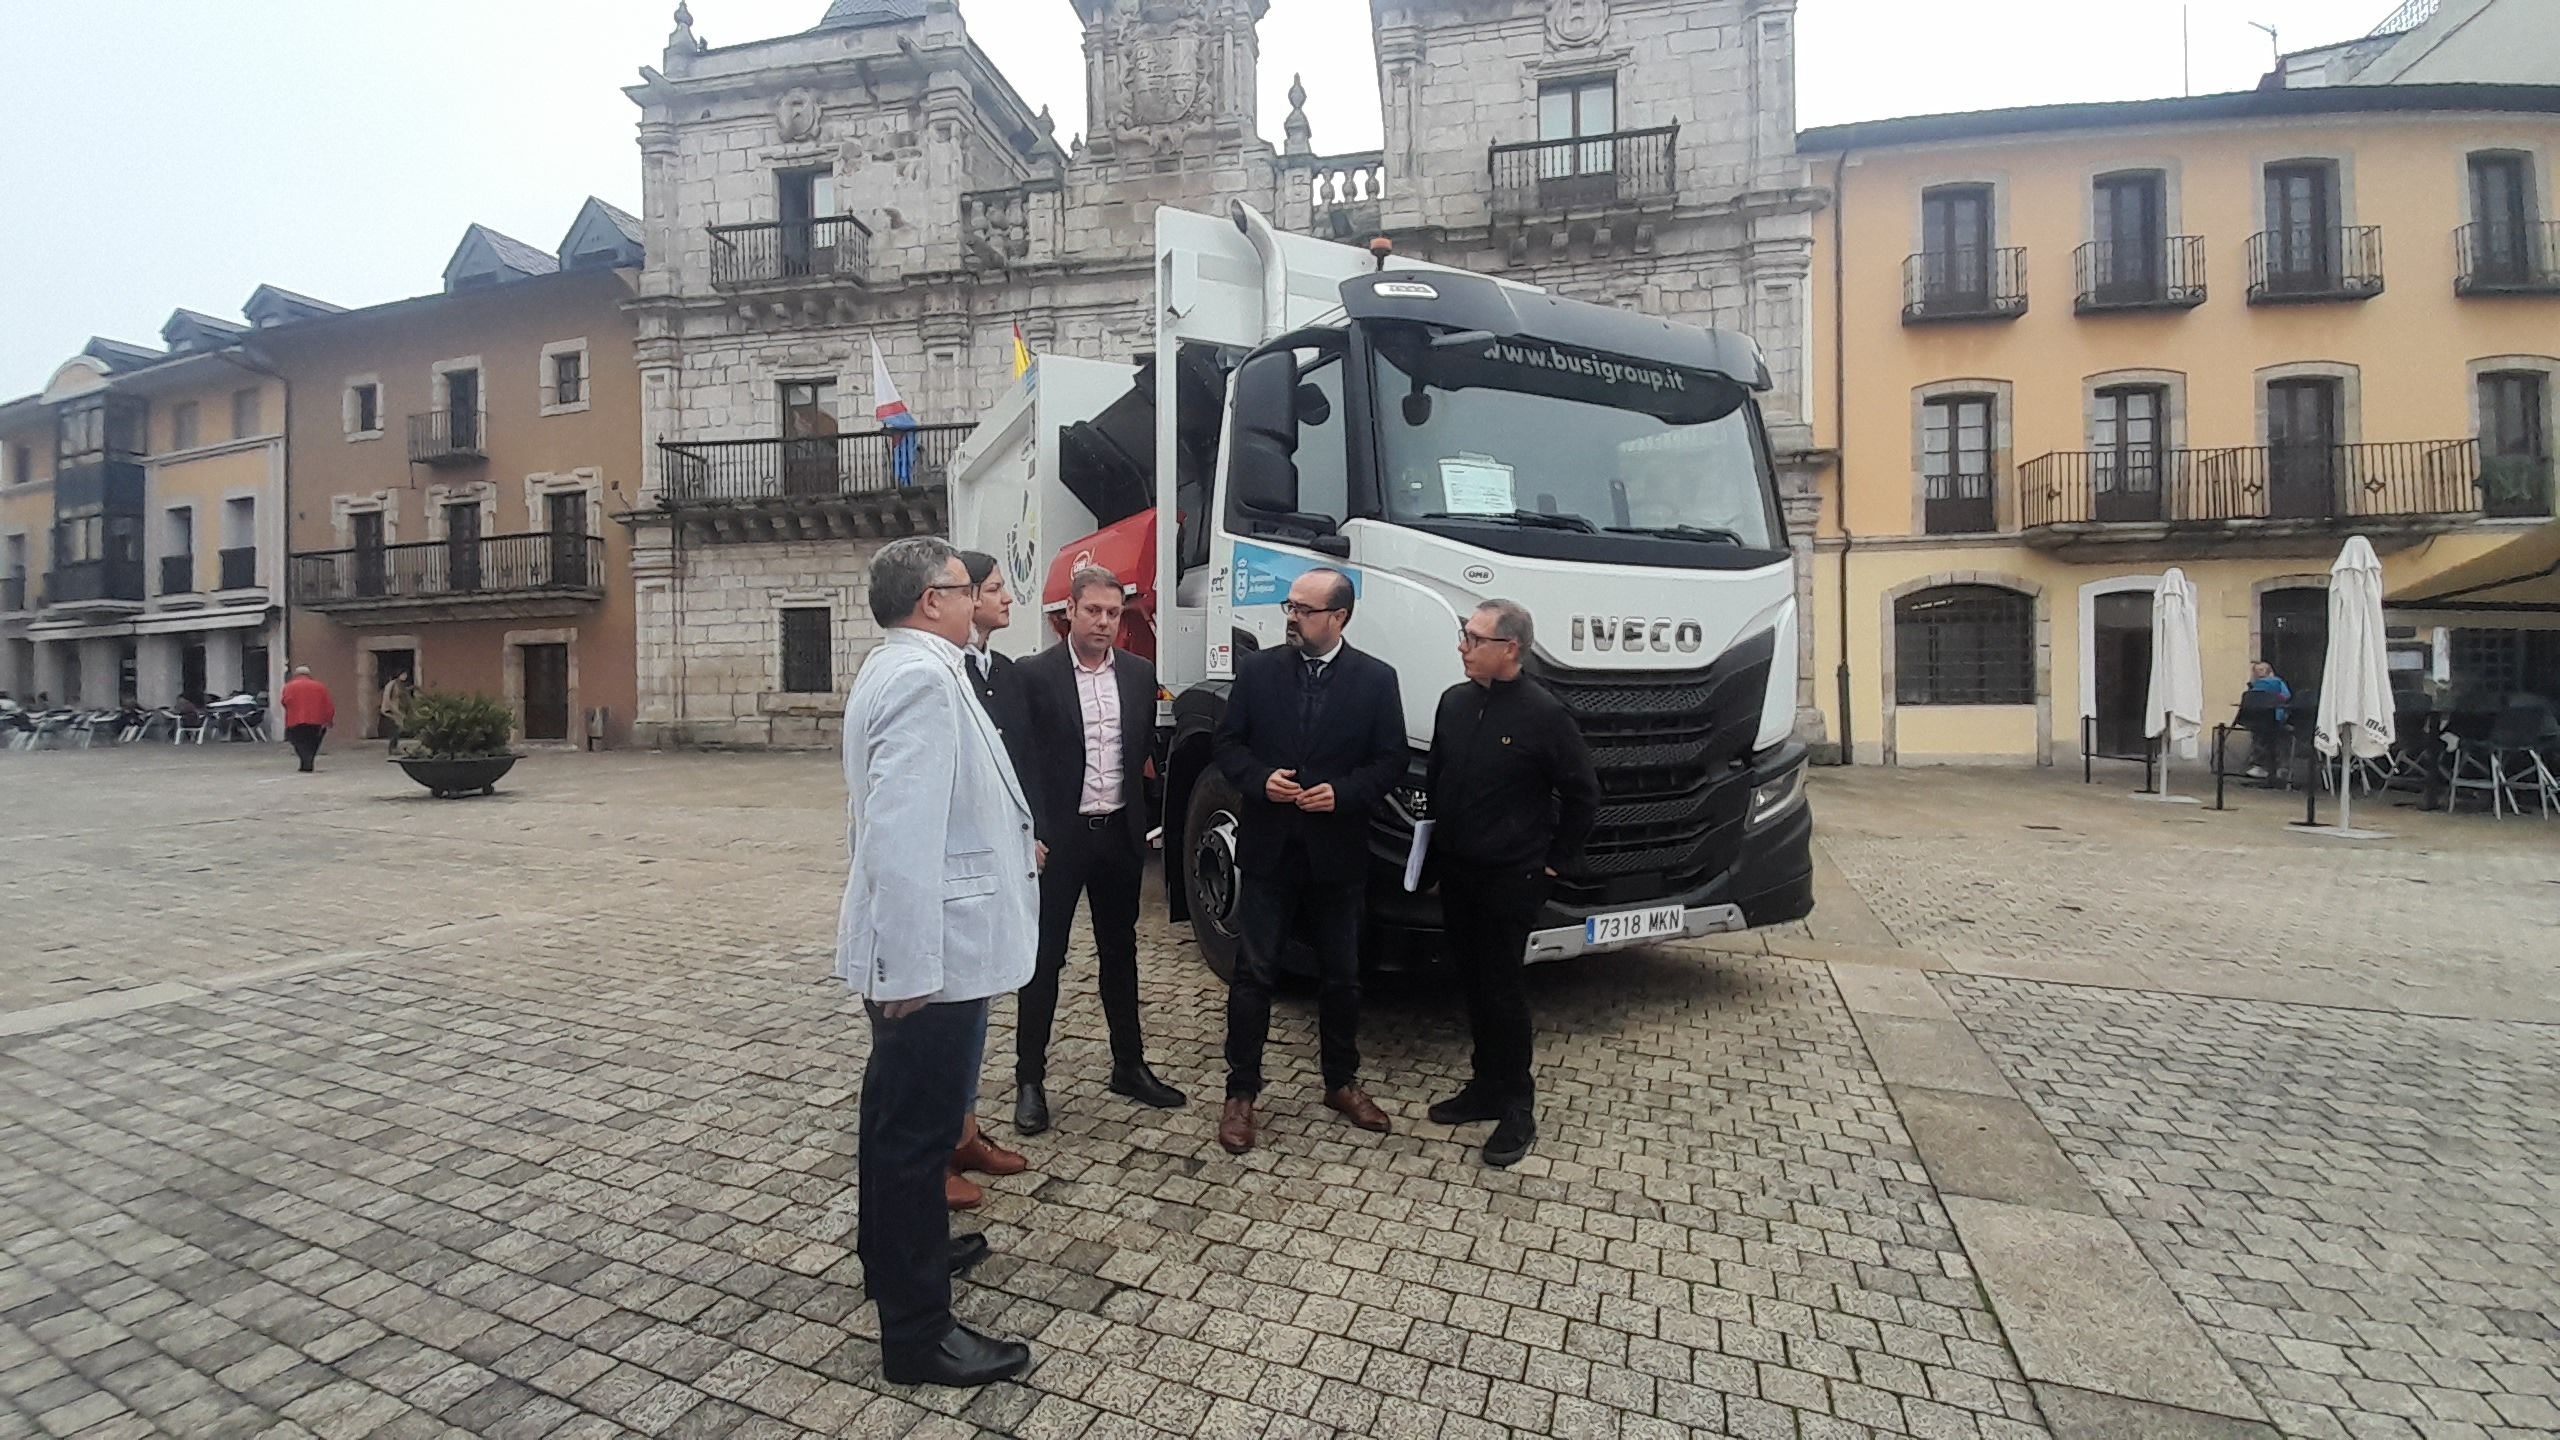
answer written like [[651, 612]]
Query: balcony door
[[802, 198], [1578, 159], [808, 437], [462, 409], [2132, 236], [365, 528], [2302, 228], [1955, 238], [2127, 433], [1955, 466], [2302, 449], [2502, 208], [2515, 443], [565, 514], [462, 546]]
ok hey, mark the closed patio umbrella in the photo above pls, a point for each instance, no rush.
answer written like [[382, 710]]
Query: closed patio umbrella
[[2355, 720], [2173, 712]]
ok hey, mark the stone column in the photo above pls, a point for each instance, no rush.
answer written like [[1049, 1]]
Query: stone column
[[45, 677], [654, 578], [156, 669], [100, 682], [222, 663], [1800, 502]]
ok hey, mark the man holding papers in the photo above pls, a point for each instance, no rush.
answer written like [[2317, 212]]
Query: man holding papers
[[1513, 797]]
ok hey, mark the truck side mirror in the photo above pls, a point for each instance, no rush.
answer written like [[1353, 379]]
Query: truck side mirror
[[1262, 464]]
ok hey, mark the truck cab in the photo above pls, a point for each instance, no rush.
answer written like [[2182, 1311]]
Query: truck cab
[[1441, 438]]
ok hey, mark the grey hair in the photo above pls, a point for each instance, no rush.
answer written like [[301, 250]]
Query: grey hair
[[1088, 576], [1510, 621], [900, 573], [1343, 591]]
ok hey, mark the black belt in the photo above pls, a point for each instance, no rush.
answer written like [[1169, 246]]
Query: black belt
[[1097, 822]]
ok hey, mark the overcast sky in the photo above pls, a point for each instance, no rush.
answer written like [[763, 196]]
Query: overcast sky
[[160, 153]]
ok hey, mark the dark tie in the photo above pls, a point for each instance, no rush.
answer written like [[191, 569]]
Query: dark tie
[[1310, 696]]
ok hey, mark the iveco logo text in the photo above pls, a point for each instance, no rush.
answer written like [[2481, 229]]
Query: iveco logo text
[[1634, 633]]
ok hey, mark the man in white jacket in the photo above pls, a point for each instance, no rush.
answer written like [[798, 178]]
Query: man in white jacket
[[941, 912]]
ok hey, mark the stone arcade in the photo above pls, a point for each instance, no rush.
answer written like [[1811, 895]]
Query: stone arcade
[[877, 180]]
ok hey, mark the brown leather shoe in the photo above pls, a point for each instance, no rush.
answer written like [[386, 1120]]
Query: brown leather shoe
[[985, 1156], [1235, 1125], [1354, 1104], [961, 1193]]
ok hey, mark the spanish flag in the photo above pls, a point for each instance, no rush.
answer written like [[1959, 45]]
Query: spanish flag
[[1021, 353]]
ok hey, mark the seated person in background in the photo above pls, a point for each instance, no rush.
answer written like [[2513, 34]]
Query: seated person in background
[[2262, 714]]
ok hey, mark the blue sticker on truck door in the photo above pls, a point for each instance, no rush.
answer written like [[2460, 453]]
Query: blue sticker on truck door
[[1263, 577]]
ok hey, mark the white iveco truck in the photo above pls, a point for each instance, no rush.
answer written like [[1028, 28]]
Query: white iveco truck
[[1442, 438]]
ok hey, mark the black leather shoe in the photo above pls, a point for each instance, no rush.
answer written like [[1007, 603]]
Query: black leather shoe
[[1511, 1139], [1467, 1107], [967, 1251], [1030, 1110], [1140, 1084], [964, 1358]]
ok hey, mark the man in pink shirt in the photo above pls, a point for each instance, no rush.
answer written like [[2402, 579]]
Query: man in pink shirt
[[1090, 709]]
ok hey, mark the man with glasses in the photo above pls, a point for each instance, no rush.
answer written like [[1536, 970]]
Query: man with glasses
[[941, 912], [1312, 739], [1513, 796]]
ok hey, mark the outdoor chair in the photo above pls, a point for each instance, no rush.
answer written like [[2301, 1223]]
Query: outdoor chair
[[189, 727], [2509, 763]]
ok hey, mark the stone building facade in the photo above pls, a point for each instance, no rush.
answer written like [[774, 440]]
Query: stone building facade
[[876, 181]]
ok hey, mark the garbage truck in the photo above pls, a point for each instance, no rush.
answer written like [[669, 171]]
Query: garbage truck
[[1440, 437]]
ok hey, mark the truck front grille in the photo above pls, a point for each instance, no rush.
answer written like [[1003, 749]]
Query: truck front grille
[[1673, 750]]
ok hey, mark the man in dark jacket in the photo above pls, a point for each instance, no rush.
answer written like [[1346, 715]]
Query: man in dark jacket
[[1089, 716], [991, 679], [1313, 739], [1513, 797]]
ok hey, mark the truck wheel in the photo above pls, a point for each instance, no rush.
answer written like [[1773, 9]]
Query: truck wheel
[[1209, 874]]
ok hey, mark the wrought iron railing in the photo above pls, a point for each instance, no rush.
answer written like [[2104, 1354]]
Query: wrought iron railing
[[780, 252], [177, 574], [239, 567], [2387, 479], [2498, 257], [747, 472], [445, 437], [2315, 264], [94, 580], [1965, 283], [2163, 274], [434, 570], [1592, 172]]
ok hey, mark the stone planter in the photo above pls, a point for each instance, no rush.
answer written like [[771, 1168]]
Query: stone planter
[[465, 776]]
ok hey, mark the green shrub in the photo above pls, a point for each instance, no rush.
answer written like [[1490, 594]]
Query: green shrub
[[444, 726]]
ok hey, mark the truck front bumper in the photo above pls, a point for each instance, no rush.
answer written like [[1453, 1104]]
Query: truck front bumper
[[1567, 942]]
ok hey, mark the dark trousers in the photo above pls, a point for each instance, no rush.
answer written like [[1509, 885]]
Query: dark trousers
[[1099, 868], [1269, 904], [913, 1095], [305, 740], [1486, 915]]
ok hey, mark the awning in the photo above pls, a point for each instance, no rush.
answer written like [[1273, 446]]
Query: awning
[[2516, 586], [184, 621]]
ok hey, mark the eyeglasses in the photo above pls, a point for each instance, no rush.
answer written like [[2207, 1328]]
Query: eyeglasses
[[950, 585], [1296, 611], [1468, 639]]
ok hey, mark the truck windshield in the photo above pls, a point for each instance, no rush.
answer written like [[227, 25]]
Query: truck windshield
[[1519, 430]]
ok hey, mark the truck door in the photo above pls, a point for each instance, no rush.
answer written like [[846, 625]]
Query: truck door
[[1257, 554]]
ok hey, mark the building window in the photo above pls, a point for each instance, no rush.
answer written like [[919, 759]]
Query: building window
[[244, 413], [568, 377], [1955, 465], [808, 650], [1955, 247], [364, 409], [22, 465], [2302, 226], [2303, 452], [2128, 214], [2127, 432], [1964, 645], [809, 461], [2503, 248], [2515, 443], [184, 426], [804, 198], [2490, 667], [1578, 110]]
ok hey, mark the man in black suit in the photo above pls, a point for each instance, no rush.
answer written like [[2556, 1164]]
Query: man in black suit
[[1089, 716], [1313, 739]]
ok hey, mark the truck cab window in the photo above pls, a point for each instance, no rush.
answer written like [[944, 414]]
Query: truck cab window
[[1323, 454]]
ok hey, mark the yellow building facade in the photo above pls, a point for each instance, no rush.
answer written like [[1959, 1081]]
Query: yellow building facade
[[2062, 349]]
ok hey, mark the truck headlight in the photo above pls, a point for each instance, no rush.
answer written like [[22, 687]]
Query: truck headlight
[[1774, 798]]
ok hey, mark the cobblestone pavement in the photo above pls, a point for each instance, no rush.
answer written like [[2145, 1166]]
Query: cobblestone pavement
[[329, 1109]]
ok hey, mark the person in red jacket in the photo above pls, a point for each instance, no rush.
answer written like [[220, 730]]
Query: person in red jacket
[[308, 714]]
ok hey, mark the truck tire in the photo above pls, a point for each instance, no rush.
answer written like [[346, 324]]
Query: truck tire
[[1209, 870]]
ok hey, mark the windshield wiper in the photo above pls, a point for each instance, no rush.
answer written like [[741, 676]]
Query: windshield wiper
[[1526, 519], [1711, 534]]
